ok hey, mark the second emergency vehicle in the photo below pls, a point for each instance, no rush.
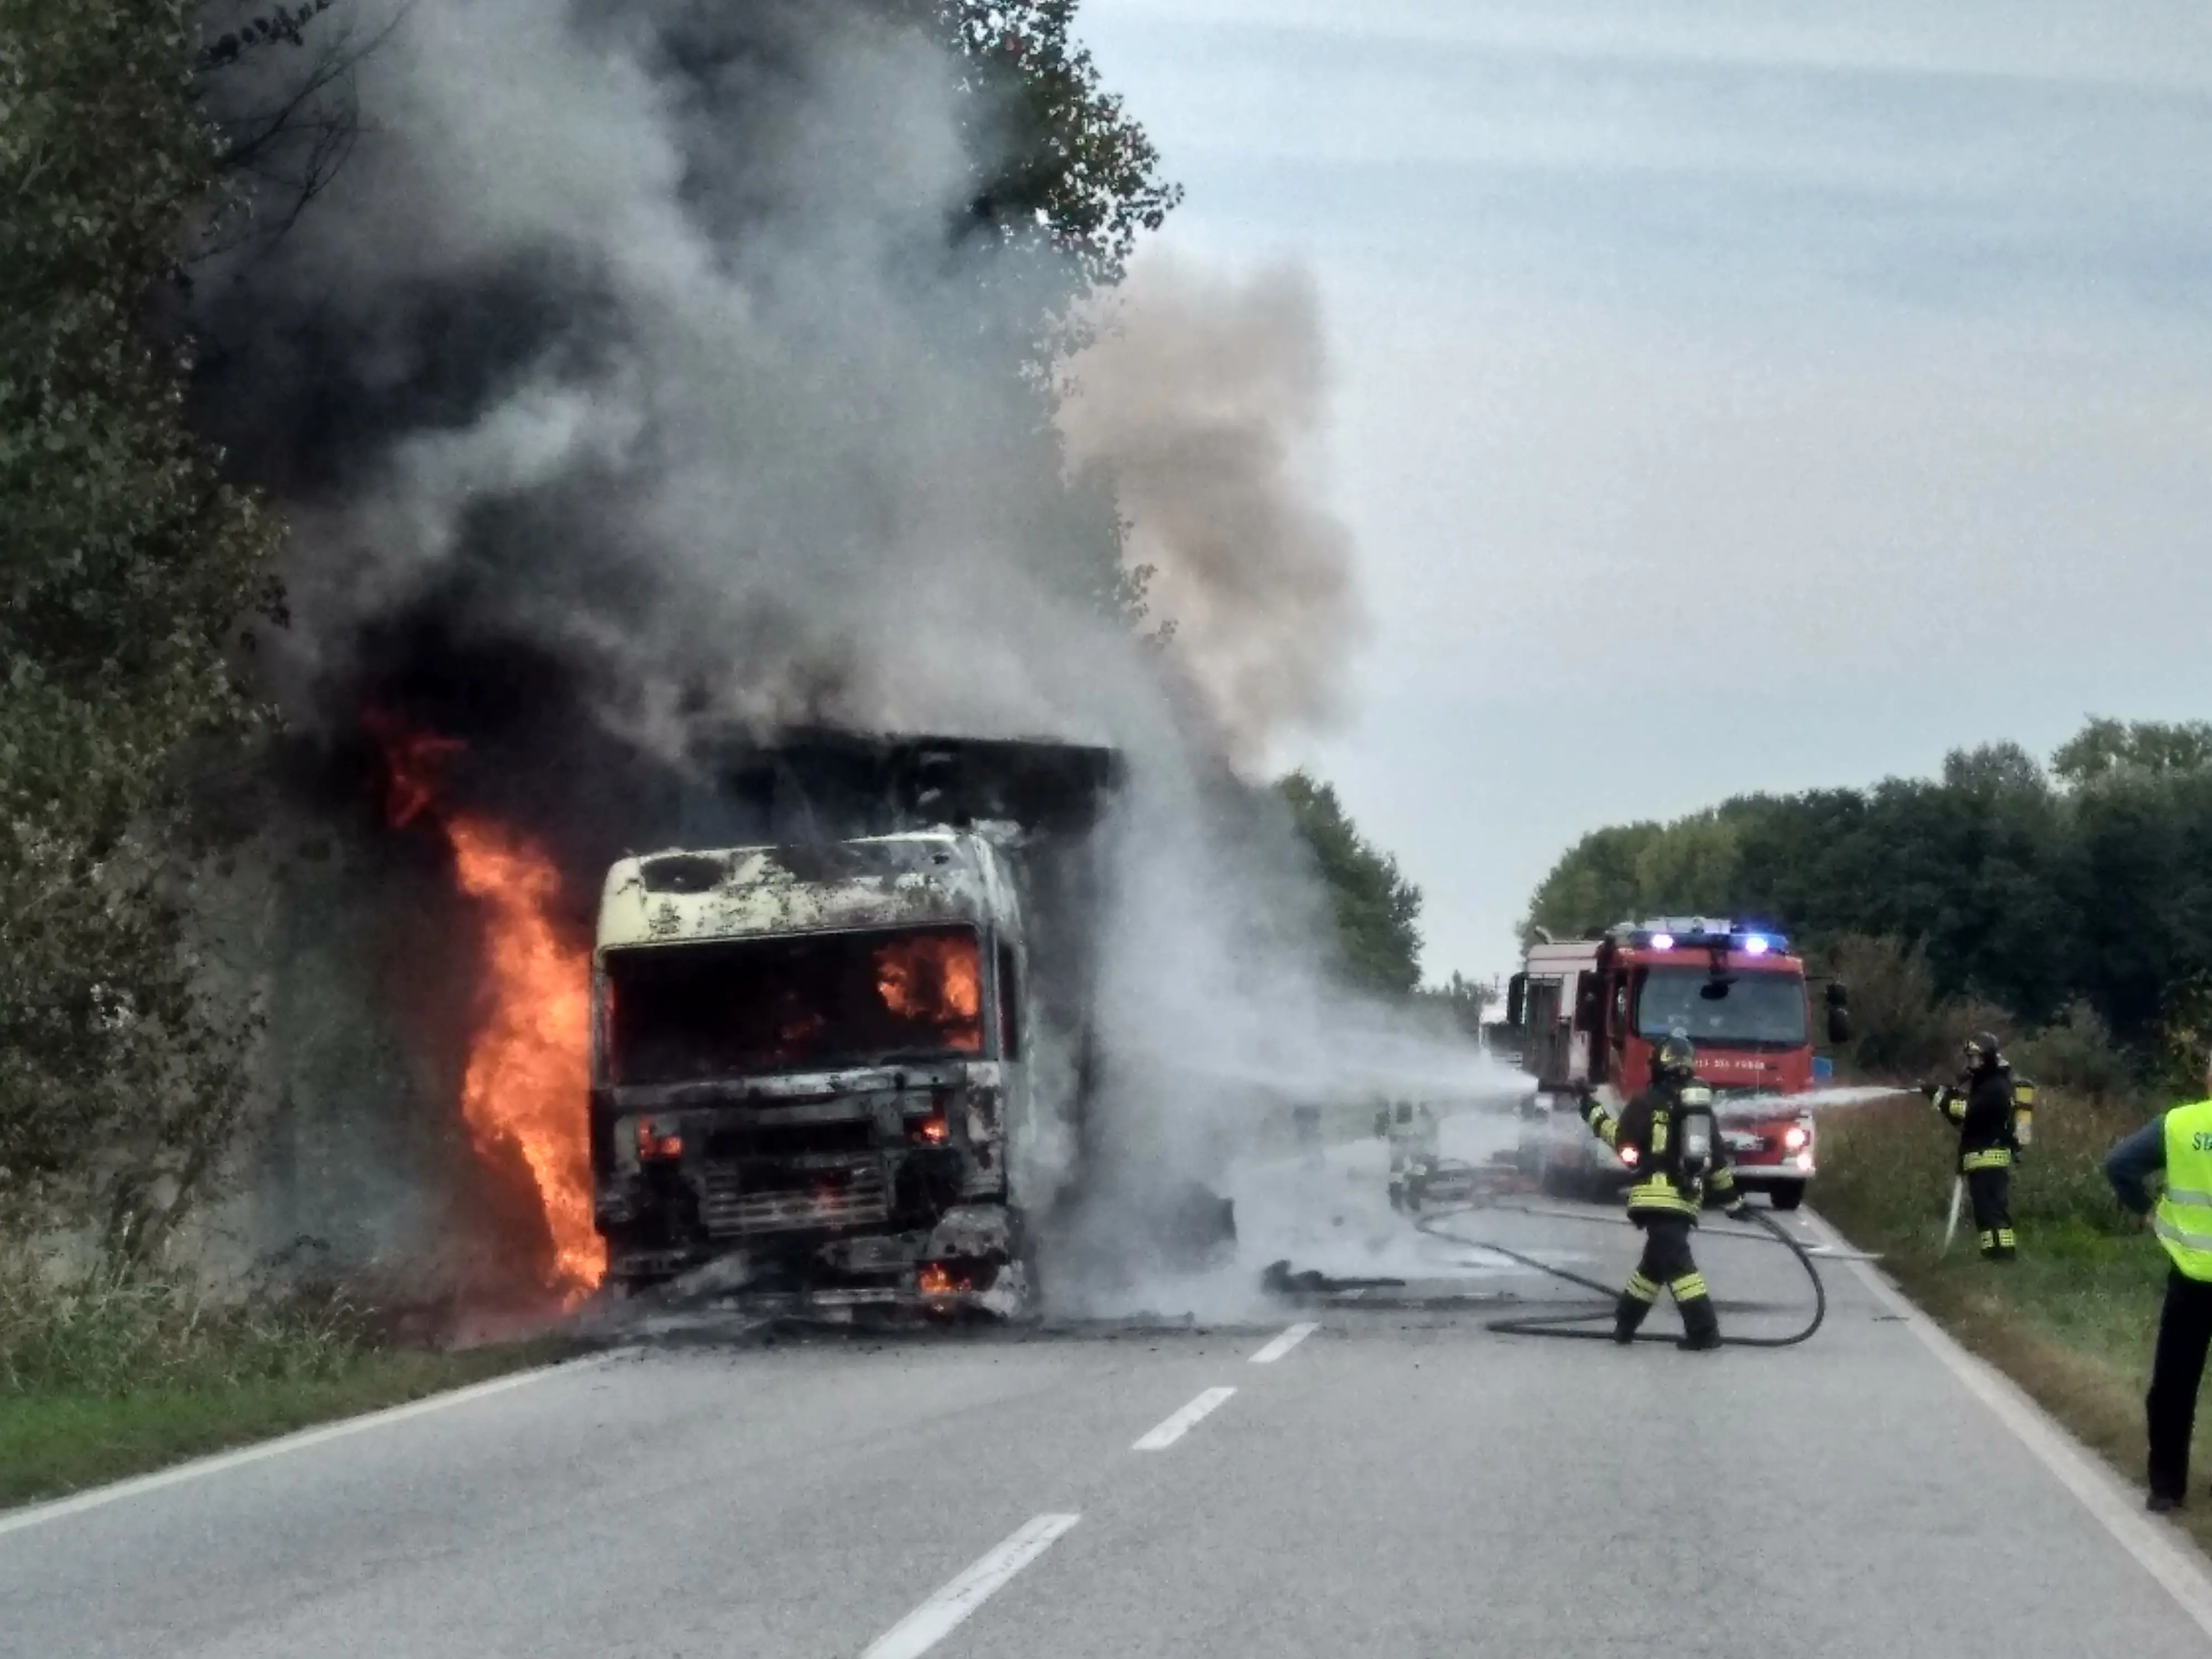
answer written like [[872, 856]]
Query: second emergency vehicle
[[1592, 1012]]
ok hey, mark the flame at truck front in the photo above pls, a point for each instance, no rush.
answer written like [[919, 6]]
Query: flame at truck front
[[938, 978], [523, 1082]]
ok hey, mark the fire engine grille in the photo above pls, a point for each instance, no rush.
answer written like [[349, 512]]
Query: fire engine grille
[[854, 1196]]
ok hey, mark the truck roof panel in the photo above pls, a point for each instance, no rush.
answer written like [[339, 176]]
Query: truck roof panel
[[910, 879]]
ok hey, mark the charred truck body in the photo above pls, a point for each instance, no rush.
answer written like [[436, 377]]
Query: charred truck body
[[853, 1072]]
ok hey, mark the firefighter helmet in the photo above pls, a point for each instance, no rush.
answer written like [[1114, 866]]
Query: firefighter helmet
[[1677, 1059], [1982, 1052]]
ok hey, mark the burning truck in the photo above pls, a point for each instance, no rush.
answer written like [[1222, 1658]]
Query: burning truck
[[837, 1072]]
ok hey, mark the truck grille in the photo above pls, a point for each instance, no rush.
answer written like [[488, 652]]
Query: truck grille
[[792, 1140], [853, 1196]]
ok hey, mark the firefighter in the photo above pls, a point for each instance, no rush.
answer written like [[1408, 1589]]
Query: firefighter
[[1668, 1137], [1981, 1103]]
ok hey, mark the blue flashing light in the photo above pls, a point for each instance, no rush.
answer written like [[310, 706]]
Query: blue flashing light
[[1755, 945], [1662, 941]]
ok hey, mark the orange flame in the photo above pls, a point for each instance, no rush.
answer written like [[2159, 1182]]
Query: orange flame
[[412, 762], [935, 977], [526, 1075], [528, 1062]]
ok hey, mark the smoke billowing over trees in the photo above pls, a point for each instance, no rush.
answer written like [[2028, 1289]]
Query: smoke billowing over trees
[[600, 380], [248, 247]]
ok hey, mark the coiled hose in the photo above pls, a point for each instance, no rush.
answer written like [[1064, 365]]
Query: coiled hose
[[1576, 1325]]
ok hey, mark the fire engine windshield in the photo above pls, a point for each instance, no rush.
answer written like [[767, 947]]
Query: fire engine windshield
[[684, 1012], [1753, 1010]]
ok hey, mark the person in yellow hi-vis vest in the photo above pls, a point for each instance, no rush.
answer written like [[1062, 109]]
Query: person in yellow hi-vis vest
[[2179, 1143]]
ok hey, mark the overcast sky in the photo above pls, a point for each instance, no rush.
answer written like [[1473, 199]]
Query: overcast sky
[[1726, 397]]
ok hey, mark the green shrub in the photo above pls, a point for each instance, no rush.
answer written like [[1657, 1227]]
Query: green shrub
[[114, 1332], [1906, 1028], [2077, 1056]]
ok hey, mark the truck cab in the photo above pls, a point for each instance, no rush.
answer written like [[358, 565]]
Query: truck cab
[[815, 1066], [1591, 1011]]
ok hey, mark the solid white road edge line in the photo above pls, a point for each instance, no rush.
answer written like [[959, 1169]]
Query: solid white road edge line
[[39, 1514], [937, 1618], [1183, 1421], [1283, 1344], [2117, 1507]]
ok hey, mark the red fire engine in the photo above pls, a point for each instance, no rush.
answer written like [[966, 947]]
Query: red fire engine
[[1591, 1011]]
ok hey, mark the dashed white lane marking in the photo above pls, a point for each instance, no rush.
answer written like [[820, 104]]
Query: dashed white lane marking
[[39, 1513], [937, 1618], [2114, 1506], [1183, 1421], [1283, 1344]]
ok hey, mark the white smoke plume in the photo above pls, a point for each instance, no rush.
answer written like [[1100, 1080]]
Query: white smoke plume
[[1199, 404]]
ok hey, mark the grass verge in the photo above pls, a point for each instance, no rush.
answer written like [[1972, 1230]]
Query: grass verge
[[56, 1442], [2073, 1321], [108, 1377]]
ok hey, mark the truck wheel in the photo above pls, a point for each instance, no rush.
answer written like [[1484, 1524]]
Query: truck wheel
[[1788, 1197]]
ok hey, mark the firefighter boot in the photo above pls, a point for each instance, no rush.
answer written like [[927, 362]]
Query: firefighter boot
[[1701, 1325], [1636, 1298]]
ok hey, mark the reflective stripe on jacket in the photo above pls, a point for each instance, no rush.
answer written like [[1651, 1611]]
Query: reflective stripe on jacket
[[1646, 1126], [1984, 1110], [2183, 1220]]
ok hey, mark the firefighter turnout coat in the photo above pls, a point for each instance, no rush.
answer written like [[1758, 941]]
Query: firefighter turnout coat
[[1982, 1108], [1647, 1135]]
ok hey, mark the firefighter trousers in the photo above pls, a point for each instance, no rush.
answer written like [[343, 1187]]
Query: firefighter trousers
[[2185, 1331], [1667, 1266], [1990, 1192]]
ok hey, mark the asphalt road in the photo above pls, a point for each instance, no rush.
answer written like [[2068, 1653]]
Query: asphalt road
[[1397, 1481]]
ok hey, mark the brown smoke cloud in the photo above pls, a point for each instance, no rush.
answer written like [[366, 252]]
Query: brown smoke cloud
[[1197, 405]]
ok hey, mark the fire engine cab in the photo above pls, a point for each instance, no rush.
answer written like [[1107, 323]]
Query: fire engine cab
[[1590, 1013]]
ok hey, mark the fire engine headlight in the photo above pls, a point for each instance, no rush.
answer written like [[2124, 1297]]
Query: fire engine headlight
[[1797, 1138], [1627, 1155]]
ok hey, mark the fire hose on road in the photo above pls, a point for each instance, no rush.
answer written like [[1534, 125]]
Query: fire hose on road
[[1576, 1324]]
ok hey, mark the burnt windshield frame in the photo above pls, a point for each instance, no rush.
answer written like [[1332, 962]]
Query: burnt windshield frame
[[1770, 1030], [703, 1010]]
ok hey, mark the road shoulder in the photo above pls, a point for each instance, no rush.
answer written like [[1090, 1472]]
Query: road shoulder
[[2166, 1553]]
